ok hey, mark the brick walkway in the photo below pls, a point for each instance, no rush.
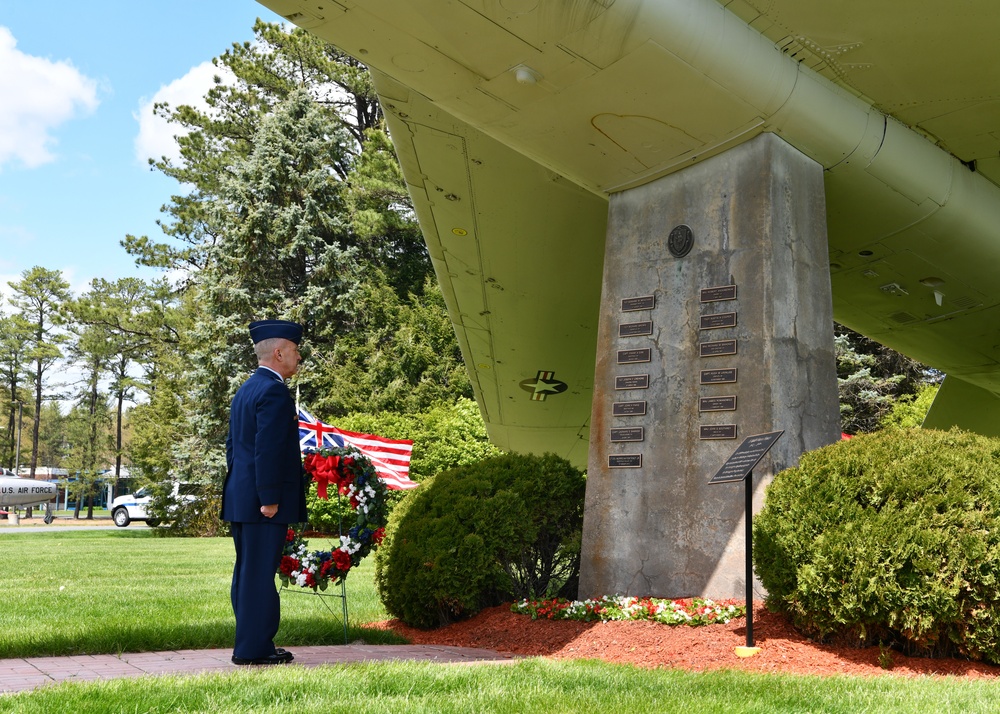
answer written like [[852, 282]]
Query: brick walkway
[[31, 672]]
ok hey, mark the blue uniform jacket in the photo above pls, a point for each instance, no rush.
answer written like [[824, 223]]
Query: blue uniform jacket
[[263, 461]]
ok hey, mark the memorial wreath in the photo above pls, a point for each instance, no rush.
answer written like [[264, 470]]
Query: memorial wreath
[[353, 477]]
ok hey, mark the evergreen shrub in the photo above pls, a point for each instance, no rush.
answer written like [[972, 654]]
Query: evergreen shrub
[[890, 538], [199, 517], [478, 535]]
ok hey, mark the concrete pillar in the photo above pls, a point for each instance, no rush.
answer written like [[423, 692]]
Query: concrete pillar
[[749, 301]]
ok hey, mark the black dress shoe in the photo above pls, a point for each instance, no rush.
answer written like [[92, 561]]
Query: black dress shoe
[[279, 657]]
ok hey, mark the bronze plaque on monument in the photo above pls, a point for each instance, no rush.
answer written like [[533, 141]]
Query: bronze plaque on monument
[[718, 376], [624, 461], [717, 404], [646, 302], [635, 329], [632, 381], [634, 356], [628, 408], [628, 433], [717, 348], [717, 320], [718, 431], [721, 292]]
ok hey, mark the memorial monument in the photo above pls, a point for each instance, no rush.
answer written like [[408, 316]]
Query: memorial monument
[[716, 323]]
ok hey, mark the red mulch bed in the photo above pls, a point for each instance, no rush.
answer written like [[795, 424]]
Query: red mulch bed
[[648, 644]]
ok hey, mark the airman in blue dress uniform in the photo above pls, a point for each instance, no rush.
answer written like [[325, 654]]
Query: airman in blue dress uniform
[[264, 488]]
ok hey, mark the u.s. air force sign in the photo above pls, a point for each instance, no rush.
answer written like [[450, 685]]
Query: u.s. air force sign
[[542, 386]]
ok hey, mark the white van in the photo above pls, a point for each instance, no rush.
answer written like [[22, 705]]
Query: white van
[[132, 506]]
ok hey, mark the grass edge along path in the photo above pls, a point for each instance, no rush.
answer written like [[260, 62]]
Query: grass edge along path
[[533, 685]]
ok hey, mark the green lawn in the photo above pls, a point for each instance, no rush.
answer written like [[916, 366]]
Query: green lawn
[[111, 591], [100, 591]]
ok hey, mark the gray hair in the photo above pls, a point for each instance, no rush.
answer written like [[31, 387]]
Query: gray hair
[[265, 348]]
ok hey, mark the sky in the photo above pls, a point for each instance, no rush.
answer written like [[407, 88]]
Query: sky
[[77, 84]]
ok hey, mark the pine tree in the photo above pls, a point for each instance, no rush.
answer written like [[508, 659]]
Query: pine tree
[[295, 208], [133, 318], [39, 297], [14, 334], [871, 378]]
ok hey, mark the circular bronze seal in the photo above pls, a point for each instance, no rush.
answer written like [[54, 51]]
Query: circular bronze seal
[[681, 241]]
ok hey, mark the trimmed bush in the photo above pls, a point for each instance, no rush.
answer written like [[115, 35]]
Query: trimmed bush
[[502, 529], [890, 538]]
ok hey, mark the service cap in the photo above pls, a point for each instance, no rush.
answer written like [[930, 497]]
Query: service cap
[[267, 329]]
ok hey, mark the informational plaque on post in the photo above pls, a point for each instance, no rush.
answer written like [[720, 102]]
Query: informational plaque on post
[[746, 457]]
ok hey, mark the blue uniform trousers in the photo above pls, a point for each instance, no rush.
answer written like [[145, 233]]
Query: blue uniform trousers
[[254, 596]]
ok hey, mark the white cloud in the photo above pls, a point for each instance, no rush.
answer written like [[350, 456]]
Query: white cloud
[[38, 96], [156, 135]]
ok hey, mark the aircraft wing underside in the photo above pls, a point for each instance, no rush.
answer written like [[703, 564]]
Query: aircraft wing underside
[[516, 119]]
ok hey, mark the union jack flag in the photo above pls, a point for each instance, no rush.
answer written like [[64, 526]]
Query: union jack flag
[[390, 457]]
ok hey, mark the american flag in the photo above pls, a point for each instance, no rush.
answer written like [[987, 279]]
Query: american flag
[[390, 457]]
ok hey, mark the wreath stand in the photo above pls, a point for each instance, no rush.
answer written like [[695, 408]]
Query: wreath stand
[[322, 595], [350, 473], [317, 593]]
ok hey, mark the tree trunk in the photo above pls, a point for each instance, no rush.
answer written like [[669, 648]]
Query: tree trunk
[[90, 457], [38, 416], [118, 438], [10, 437]]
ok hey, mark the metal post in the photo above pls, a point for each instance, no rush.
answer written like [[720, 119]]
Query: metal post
[[748, 488]]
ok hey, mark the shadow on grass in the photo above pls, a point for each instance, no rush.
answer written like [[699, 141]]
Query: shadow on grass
[[159, 637]]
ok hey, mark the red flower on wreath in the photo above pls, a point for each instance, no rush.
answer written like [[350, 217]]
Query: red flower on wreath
[[288, 564], [342, 560]]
